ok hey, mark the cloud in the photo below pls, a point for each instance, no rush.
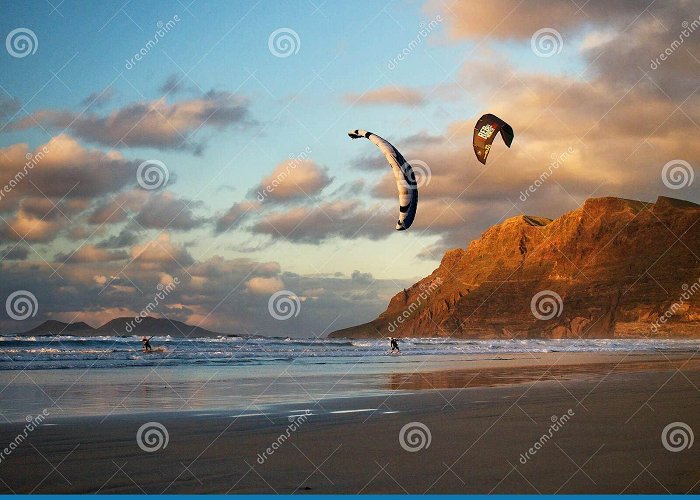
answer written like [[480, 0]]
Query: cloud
[[216, 294], [289, 181], [362, 278], [514, 19], [264, 286], [125, 238], [116, 208], [8, 107], [345, 219], [236, 215], [157, 124], [60, 169], [161, 253], [292, 180], [172, 85], [14, 253], [24, 226], [621, 40], [402, 96], [166, 210], [91, 253], [97, 99], [149, 210]]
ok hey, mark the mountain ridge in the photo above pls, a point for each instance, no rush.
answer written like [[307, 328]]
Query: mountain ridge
[[611, 268], [123, 326]]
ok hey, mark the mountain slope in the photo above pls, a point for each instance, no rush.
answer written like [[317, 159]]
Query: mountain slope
[[618, 266], [54, 327], [123, 326]]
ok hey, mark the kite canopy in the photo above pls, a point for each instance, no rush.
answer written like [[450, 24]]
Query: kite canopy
[[403, 173], [485, 132]]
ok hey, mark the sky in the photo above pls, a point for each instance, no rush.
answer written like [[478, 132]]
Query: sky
[[201, 149]]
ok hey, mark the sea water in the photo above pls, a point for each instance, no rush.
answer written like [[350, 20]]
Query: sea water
[[62, 352], [106, 376]]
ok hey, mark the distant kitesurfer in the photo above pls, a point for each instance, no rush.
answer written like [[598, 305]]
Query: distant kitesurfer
[[146, 343], [394, 345]]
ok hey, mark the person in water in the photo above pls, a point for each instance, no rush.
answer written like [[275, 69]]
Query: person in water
[[146, 343], [394, 345]]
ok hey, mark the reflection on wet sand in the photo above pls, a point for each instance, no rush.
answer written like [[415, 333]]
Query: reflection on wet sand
[[490, 377]]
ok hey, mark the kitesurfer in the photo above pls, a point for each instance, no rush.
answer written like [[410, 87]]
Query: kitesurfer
[[394, 345], [146, 341]]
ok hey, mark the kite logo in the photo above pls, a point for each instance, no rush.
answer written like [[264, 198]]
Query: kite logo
[[486, 131]]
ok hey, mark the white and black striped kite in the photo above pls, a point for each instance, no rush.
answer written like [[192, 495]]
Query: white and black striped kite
[[403, 173]]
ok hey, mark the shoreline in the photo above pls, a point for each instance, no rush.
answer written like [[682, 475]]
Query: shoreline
[[480, 431]]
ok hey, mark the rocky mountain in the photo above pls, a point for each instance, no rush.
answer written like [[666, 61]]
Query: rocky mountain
[[160, 327], [611, 268]]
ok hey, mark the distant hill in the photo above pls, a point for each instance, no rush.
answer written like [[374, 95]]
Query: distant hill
[[149, 326], [153, 326], [617, 268], [54, 327]]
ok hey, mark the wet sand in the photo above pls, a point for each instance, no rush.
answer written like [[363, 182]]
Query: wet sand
[[482, 422]]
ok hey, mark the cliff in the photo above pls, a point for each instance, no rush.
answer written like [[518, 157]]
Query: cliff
[[611, 268]]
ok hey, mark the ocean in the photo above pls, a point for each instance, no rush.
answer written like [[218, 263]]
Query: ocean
[[103, 376], [65, 352]]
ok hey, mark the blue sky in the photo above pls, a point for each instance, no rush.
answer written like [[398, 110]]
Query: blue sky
[[296, 101]]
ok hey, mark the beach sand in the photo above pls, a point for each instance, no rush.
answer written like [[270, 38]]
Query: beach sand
[[482, 421]]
